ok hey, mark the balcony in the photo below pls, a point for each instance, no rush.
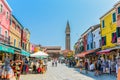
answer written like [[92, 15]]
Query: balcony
[[4, 39]]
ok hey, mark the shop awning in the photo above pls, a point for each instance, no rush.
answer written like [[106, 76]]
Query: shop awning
[[25, 53], [84, 53], [104, 51], [6, 49]]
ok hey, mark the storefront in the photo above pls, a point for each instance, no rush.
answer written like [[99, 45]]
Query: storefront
[[25, 53], [110, 54], [4, 49]]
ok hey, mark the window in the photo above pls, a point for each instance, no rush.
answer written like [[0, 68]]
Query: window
[[15, 27], [94, 45], [7, 15], [87, 46], [19, 44], [99, 32], [6, 34], [103, 23], [14, 42], [9, 40], [118, 10], [114, 17], [100, 43], [0, 30], [103, 41], [10, 21], [118, 31], [114, 38], [1, 8], [91, 45]]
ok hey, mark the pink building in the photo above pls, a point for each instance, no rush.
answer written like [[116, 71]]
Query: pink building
[[5, 13], [32, 48]]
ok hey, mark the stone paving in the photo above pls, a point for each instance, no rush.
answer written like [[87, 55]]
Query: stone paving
[[62, 72]]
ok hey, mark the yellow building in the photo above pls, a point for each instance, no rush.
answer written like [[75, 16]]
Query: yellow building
[[108, 29], [15, 32]]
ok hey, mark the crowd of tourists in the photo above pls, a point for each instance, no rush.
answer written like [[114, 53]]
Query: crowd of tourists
[[12, 69], [38, 66], [99, 67]]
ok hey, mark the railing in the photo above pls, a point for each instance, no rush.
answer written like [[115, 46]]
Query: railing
[[4, 39]]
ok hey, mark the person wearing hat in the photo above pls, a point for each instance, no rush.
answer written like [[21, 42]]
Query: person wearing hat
[[118, 64]]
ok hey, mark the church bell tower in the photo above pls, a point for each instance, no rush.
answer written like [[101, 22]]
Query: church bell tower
[[67, 32]]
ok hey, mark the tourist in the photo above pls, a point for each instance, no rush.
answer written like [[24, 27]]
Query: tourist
[[92, 66], [118, 68], [52, 62], [34, 68], [18, 67], [96, 68], [56, 62], [86, 66], [7, 72], [81, 66]]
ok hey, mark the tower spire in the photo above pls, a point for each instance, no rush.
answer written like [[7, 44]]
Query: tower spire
[[67, 32], [67, 28]]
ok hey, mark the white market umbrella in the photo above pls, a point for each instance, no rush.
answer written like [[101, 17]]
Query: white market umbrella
[[39, 54]]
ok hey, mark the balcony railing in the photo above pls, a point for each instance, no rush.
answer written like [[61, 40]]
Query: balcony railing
[[4, 39]]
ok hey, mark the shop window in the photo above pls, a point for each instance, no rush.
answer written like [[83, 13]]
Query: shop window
[[103, 41], [114, 38], [114, 17]]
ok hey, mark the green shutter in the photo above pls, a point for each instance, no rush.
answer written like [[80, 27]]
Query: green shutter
[[118, 10], [114, 17], [103, 23]]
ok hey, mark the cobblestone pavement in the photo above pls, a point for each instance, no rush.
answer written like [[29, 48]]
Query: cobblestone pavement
[[62, 72]]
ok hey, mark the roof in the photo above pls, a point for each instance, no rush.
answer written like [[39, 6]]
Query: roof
[[96, 27], [107, 12], [27, 30], [7, 5]]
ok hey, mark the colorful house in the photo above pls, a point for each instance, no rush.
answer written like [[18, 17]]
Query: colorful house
[[15, 32], [24, 39], [5, 13], [117, 9], [96, 37], [27, 40], [89, 39], [108, 29]]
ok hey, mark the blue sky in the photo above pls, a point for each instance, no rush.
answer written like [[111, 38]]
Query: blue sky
[[46, 19]]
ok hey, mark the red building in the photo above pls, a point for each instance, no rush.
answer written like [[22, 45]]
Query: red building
[[85, 42], [24, 39]]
